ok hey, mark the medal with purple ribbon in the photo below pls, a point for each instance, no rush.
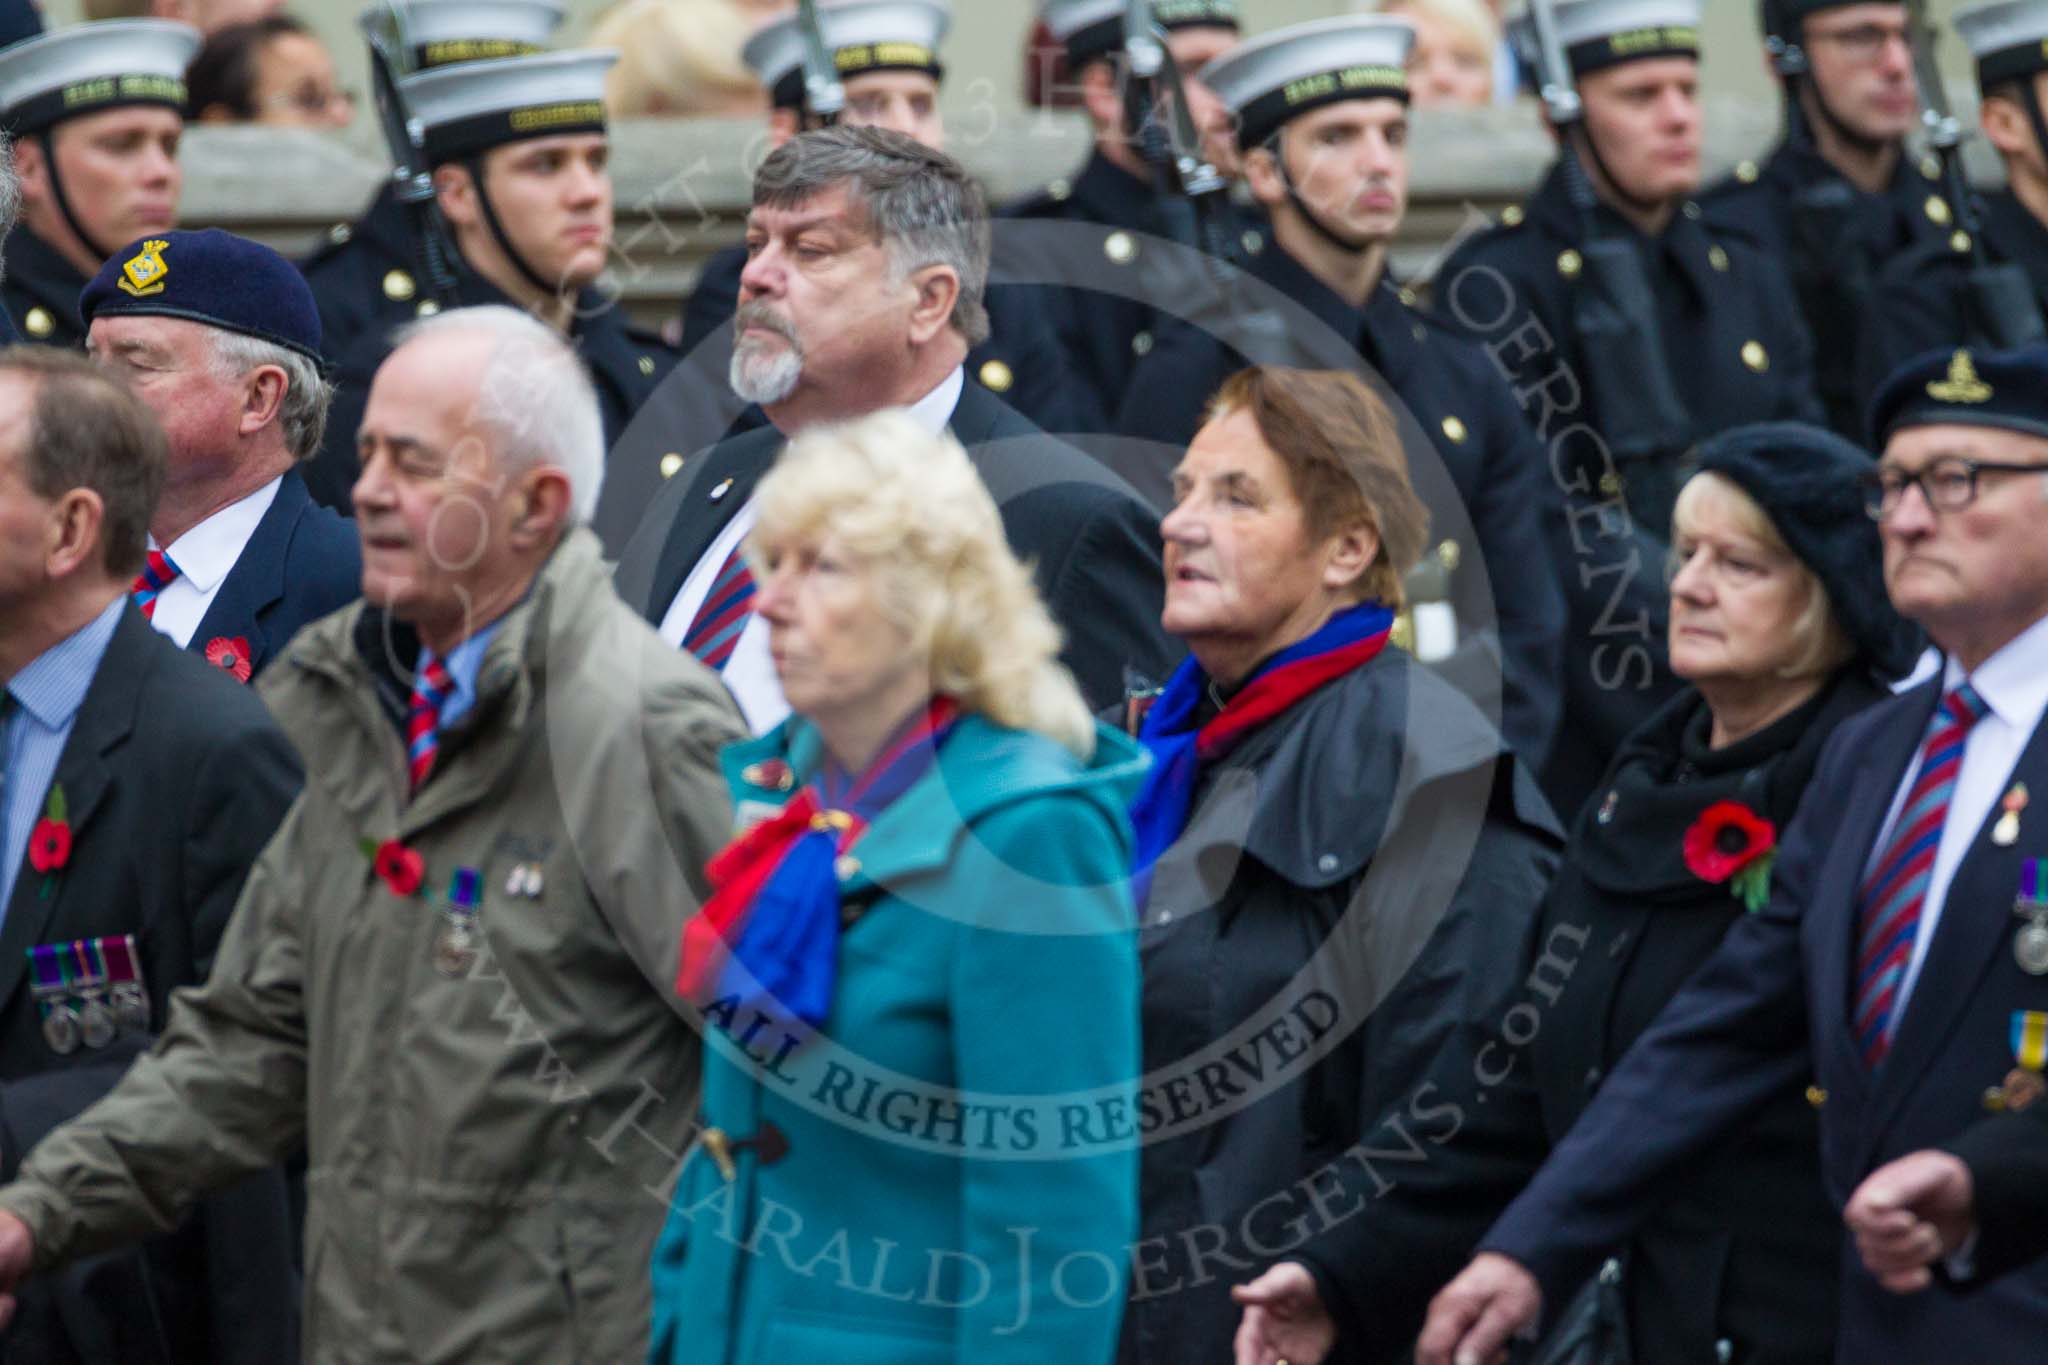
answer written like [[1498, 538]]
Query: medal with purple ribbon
[[455, 945], [49, 973], [2030, 942]]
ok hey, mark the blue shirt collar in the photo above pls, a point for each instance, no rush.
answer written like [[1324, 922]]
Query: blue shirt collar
[[53, 685], [462, 664]]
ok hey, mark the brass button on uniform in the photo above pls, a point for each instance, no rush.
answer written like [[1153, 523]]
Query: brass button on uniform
[[996, 376], [1406, 295], [1717, 257], [647, 365], [1455, 429], [427, 308], [1610, 484], [1570, 263], [1141, 344], [1059, 191], [39, 322], [670, 463], [1938, 211], [399, 286], [1960, 243], [1816, 1096], [1746, 172], [1755, 356], [1511, 216], [1253, 242], [1120, 247]]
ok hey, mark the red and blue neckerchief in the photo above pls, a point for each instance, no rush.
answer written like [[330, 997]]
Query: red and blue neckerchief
[[1346, 641], [769, 935]]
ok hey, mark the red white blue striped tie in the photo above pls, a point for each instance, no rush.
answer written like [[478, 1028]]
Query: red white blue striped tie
[[158, 572], [1896, 890], [715, 630], [430, 692]]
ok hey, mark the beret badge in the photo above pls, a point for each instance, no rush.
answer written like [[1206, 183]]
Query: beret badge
[[1962, 384], [144, 275]]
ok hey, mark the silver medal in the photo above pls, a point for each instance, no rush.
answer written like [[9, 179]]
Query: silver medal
[[131, 1007], [95, 1022], [455, 948], [2030, 948], [60, 1029]]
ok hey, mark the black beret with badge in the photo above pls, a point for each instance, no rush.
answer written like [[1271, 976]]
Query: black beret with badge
[[1095, 28], [466, 110], [1270, 80], [444, 32], [211, 277], [1597, 34], [91, 68], [2007, 390], [861, 36]]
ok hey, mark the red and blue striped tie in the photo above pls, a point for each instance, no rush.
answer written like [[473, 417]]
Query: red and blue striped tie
[[430, 691], [1896, 890], [715, 631], [158, 572]]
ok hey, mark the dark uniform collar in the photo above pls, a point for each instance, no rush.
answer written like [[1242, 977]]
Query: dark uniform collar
[[2014, 234], [1798, 163], [1684, 248], [40, 277], [1109, 194], [1383, 332]]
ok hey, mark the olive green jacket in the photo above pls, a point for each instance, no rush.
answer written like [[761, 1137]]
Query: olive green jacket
[[491, 1152]]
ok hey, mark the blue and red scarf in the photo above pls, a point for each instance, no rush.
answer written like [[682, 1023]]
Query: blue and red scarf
[[1179, 751], [769, 935]]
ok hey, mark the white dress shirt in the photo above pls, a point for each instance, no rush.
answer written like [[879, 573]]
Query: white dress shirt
[[204, 555], [750, 673], [2014, 685]]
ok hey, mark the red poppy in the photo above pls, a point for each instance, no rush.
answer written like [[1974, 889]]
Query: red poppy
[[49, 845], [230, 655], [1727, 837], [400, 868]]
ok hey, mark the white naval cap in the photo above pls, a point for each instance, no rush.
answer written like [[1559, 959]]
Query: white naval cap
[[1273, 78], [1094, 28], [474, 106], [2008, 40], [862, 36], [1603, 33], [88, 68], [441, 32]]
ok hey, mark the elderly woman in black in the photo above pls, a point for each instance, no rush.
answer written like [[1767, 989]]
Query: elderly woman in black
[[1338, 859], [1781, 627]]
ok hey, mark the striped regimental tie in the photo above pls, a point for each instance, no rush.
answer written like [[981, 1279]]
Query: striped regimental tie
[[715, 631], [430, 692], [158, 573], [1889, 906]]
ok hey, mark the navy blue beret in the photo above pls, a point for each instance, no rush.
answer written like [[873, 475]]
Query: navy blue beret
[[1963, 387], [1807, 481], [212, 277]]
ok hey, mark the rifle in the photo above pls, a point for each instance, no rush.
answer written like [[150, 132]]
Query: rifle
[[824, 92], [1614, 312], [1194, 196], [1998, 299], [412, 180]]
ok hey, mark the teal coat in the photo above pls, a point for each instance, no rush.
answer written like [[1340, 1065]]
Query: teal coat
[[959, 1180]]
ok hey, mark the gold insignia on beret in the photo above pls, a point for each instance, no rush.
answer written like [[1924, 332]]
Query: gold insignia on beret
[[1141, 344], [1570, 263], [1511, 216], [1120, 248], [1746, 172], [670, 463], [1962, 384], [647, 364], [39, 323], [1449, 555], [399, 286], [1717, 257], [1455, 429], [1755, 356], [144, 275], [1938, 211], [996, 376]]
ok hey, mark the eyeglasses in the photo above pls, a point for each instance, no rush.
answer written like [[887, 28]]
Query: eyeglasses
[[1865, 42], [1949, 484], [312, 99]]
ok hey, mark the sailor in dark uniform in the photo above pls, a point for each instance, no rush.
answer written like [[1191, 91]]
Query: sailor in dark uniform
[[519, 151], [1707, 337], [1839, 197], [1322, 119], [1923, 297], [886, 53], [364, 276], [96, 112], [1110, 209]]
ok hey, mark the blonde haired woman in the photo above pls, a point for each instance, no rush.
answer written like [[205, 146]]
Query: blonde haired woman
[[919, 944], [681, 58], [1452, 64]]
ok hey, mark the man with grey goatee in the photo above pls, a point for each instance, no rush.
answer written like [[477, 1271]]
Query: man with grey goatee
[[867, 256]]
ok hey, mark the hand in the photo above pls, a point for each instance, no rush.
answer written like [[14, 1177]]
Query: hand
[[17, 1248], [1284, 1319], [1473, 1317], [1909, 1214]]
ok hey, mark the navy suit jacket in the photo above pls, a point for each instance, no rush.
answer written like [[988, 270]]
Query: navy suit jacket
[[1772, 1005], [302, 562]]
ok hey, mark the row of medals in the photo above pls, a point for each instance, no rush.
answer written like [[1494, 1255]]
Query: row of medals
[[455, 946], [96, 1017]]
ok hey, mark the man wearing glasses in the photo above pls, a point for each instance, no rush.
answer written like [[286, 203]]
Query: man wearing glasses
[[1923, 297], [1838, 197], [1901, 961]]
